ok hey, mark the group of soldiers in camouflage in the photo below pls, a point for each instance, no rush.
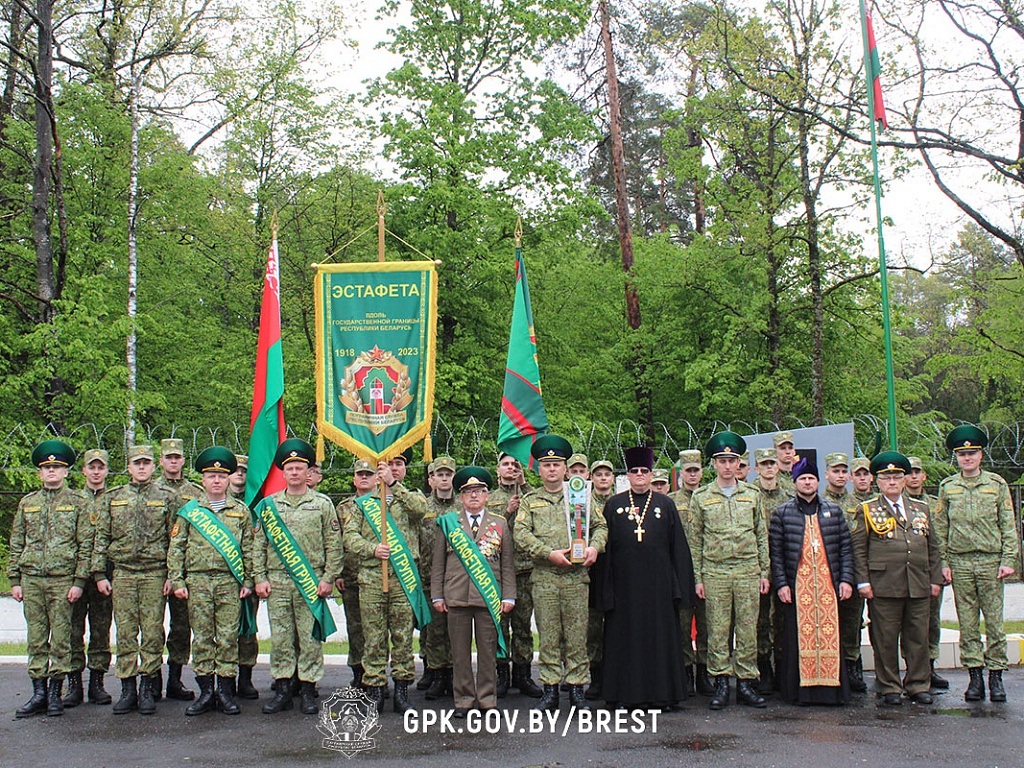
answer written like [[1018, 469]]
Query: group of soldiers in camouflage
[[131, 551]]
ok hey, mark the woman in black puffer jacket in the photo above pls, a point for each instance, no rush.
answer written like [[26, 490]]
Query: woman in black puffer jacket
[[787, 545]]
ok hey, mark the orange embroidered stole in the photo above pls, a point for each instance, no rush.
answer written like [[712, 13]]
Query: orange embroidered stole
[[817, 613]]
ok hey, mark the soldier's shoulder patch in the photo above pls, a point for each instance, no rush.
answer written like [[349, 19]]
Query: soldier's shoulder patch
[[233, 513], [65, 508], [119, 502], [335, 525], [32, 508], [175, 529], [156, 503], [92, 518]]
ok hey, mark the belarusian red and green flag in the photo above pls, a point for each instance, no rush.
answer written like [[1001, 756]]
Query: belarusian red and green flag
[[267, 428], [523, 418], [874, 67]]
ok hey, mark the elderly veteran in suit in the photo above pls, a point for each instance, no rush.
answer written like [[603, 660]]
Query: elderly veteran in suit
[[455, 592], [896, 559]]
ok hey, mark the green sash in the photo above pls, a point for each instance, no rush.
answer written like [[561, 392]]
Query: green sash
[[478, 569], [299, 568], [401, 560], [223, 540]]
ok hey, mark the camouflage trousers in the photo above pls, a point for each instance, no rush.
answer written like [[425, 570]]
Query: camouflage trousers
[[386, 616], [935, 626], [517, 625], [179, 636], [851, 621], [733, 602], [139, 611], [292, 646], [249, 647], [99, 609], [213, 606], [977, 592], [435, 644], [766, 625], [595, 637], [48, 616], [687, 618], [353, 621], [561, 604]]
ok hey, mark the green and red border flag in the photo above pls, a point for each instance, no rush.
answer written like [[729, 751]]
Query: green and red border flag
[[874, 66], [523, 418], [267, 428]]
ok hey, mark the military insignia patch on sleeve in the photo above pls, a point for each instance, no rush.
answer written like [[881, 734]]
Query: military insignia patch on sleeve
[[174, 530]]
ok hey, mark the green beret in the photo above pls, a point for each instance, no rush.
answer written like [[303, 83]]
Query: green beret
[[551, 448], [725, 444], [966, 437], [889, 461], [294, 449], [472, 477], [53, 452], [216, 459]]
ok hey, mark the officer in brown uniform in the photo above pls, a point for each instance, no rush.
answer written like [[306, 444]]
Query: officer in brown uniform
[[896, 558]]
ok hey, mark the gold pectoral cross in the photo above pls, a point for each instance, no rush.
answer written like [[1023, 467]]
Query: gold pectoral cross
[[639, 534]]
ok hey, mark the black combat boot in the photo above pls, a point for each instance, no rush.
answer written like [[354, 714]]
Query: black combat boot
[[976, 688], [691, 681], [129, 697], [704, 685], [75, 693], [996, 692], [442, 685], [938, 682], [428, 677], [522, 680], [147, 704], [375, 694], [577, 698], [594, 689], [55, 699], [402, 704], [36, 704], [357, 676], [158, 685], [204, 703], [748, 695], [549, 699], [97, 693], [296, 684], [766, 676], [504, 680], [246, 690], [855, 676], [282, 697], [175, 689], [307, 698], [226, 695], [720, 697]]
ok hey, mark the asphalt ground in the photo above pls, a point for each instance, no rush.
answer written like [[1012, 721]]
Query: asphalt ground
[[863, 733]]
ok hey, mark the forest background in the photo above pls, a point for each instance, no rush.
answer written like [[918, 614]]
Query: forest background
[[148, 147]]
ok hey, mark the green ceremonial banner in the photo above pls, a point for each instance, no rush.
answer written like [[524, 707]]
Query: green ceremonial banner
[[375, 349]]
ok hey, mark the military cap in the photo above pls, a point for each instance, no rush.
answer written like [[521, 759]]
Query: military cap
[[405, 456], [761, 455], [294, 449], [53, 452], [362, 465], [216, 459], [639, 456], [782, 437], [96, 454], [472, 477], [966, 437], [551, 448], [172, 446], [804, 466], [725, 444], [577, 458], [140, 452], [889, 461], [242, 461], [660, 476], [690, 458], [601, 463], [745, 458], [915, 462], [836, 459], [860, 462], [441, 462]]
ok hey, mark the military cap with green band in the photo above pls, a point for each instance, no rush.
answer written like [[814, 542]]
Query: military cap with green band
[[472, 477], [889, 461], [53, 452], [216, 459], [725, 444], [294, 449], [551, 448], [966, 437]]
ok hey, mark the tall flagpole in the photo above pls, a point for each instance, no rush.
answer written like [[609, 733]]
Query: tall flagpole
[[883, 269]]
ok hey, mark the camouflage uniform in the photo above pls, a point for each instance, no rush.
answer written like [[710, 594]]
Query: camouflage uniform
[[977, 534], [385, 614], [595, 618], [730, 557], [248, 646], [517, 625], [851, 612], [350, 595], [132, 536], [179, 636], [560, 595], [934, 616], [697, 615], [213, 602], [769, 618], [313, 524], [50, 552], [435, 646], [99, 609]]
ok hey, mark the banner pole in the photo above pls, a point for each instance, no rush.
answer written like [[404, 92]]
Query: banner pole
[[381, 209]]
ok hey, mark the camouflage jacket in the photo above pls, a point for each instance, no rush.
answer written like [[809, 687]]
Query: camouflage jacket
[[184, 489], [497, 504], [975, 515], [133, 528], [770, 500], [406, 508], [728, 529], [541, 528], [428, 527], [315, 528], [682, 499], [190, 552], [51, 536]]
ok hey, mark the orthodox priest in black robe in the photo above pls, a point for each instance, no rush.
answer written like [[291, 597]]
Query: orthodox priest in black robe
[[643, 578]]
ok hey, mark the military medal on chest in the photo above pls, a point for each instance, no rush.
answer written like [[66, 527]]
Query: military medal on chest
[[880, 520]]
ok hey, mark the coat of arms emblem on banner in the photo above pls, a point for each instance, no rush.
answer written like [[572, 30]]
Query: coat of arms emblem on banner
[[375, 389]]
